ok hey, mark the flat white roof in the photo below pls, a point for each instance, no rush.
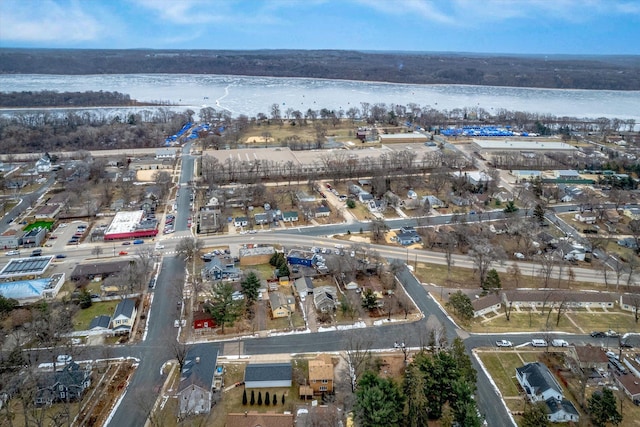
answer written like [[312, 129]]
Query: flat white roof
[[410, 137], [125, 222], [522, 145]]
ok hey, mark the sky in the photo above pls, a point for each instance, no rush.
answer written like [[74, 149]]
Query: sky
[[581, 27]]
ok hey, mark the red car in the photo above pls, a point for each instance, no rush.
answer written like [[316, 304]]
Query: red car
[[124, 253]]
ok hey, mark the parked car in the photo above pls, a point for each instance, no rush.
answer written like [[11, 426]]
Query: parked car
[[598, 334], [126, 243], [11, 253], [611, 334], [138, 242], [123, 253], [64, 358], [504, 343], [538, 343], [518, 255], [559, 343], [61, 256]]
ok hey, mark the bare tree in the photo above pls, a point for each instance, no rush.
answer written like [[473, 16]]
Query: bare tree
[[357, 354], [484, 254], [547, 265], [97, 251], [514, 271]]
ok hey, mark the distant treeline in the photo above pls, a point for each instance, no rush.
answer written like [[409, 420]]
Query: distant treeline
[[49, 98], [562, 72]]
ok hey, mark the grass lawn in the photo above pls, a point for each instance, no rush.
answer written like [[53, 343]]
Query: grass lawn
[[525, 321], [283, 322], [501, 365], [618, 321], [433, 273], [83, 318], [264, 271]]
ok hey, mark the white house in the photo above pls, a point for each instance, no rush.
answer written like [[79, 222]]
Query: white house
[[586, 218], [43, 165], [124, 316]]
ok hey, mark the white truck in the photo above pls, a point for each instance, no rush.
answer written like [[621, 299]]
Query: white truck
[[559, 343]]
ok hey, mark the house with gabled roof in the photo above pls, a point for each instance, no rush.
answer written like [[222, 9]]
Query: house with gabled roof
[[322, 212], [538, 382], [486, 304], [268, 375], [589, 357], [325, 298], [65, 385], [124, 316], [220, 269], [196, 382], [303, 287], [290, 216], [321, 374], [540, 385], [281, 304]]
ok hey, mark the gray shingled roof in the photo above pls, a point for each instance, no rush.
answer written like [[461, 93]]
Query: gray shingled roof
[[198, 369], [539, 377], [125, 308], [101, 321], [268, 372]]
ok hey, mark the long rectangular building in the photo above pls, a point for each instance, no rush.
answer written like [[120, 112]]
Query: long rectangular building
[[131, 225], [488, 146]]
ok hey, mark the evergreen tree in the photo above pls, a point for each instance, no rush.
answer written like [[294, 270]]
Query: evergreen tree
[[259, 398], [511, 207], [461, 304], [283, 398], [253, 398], [369, 300], [267, 399], [535, 416], [417, 405], [223, 308], [275, 400], [250, 286], [492, 281], [244, 397], [538, 213], [283, 270], [603, 408], [379, 402]]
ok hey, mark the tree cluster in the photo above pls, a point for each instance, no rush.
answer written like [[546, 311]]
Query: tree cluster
[[605, 72], [433, 382]]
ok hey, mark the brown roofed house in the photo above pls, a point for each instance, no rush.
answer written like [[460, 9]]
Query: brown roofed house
[[255, 419], [590, 357], [321, 374]]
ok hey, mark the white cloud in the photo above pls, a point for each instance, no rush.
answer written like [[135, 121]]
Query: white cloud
[[49, 21]]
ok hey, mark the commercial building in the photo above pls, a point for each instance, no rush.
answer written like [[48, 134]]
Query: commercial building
[[488, 146], [29, 291], [131, 225]]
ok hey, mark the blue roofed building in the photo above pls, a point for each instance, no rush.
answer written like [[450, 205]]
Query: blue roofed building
[[301, 257], [29, 291]]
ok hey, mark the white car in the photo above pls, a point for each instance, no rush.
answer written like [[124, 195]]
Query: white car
[[504, 343], [11, 253], [518, 255], [159, 246], [64, 358]]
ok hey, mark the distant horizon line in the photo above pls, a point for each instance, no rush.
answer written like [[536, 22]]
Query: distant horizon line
[[367, 51]]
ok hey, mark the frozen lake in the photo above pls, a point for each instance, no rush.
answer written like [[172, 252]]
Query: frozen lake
[[253, 95]]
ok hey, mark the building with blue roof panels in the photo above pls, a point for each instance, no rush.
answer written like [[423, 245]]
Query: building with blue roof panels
[[25, 267], [300, 257], [29, 291]]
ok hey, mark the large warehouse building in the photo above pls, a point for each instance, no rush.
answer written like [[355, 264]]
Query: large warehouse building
[[131, 225], [489, 146]]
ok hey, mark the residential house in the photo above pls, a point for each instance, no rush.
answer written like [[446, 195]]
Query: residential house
[[48, 211], [630, 384], [538, 382], [262, 218], [166, 153], [43, 165], [240, 221], [322, 212], [365, 197], [325, 298], [65, 385], [304, 197], [540, 385], [630, 302], [459, 201], [220, 269], [475, 178], [268, 375], [355, 189], [259, 419], [281, 305], [300, 257], [407, 238], [504, 197], [321, 374], [587, 218], [570, 193], [434, 202], [196, 382], [570, 252], [124, 316], [631, 212], [589, 357], [290, 216], [612, 216], [303, 286], [487, 304], [561, 411], [202, 320], [100, 323]]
